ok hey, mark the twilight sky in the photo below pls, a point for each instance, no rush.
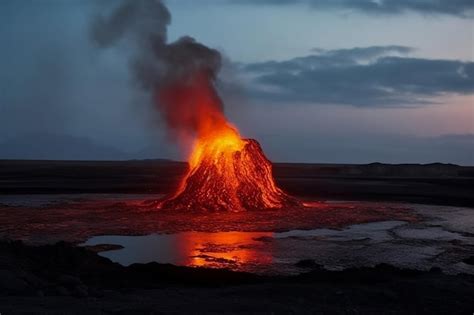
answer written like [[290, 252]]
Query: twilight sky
[[333, 81]]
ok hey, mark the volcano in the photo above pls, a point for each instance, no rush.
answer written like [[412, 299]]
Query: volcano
[[228, 173]]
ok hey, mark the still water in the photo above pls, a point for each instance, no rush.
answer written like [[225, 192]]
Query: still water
[[224, 249], [394, 242]]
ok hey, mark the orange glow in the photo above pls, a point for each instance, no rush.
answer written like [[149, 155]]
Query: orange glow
[[223, 249], [223, 141], [225, 172]]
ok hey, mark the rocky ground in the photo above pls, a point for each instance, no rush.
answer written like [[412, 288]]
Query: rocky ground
[[75, 218], [63, 279]]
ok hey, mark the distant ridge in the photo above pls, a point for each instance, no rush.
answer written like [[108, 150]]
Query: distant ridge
[[47, 146]]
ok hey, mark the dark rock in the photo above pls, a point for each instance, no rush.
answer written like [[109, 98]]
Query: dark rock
[[80, 291], [436, 270], [264, 239], [95, 292], [60, 290], [469, 261], [103, 247], [69, 281], [390, 294], [307, 263], [33, 280], [10, 283]]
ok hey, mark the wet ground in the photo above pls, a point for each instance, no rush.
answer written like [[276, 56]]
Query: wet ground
[[402, 244], [335, 234]]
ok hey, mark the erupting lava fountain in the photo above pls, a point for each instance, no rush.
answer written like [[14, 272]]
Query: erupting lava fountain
[[226, 172]]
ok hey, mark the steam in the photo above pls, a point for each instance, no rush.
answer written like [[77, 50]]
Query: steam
[[172, 73]]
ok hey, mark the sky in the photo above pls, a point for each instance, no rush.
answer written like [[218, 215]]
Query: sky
[[323, 81]]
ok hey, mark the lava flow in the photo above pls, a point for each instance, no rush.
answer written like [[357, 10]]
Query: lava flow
[[226, 172]]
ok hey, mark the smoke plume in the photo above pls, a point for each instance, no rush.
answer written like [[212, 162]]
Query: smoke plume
[[179, 76]]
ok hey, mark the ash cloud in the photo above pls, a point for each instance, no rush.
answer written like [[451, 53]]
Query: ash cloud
[[155, 64]]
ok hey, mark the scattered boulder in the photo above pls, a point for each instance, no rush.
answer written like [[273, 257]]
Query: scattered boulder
[[69, 281], [62, 291], [469, 261], [12, 284], [80, 291], [307, 263]]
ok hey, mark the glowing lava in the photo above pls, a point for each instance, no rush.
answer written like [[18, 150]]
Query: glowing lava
[[226, 172]]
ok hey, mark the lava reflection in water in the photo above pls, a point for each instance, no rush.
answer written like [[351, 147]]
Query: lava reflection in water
[[197, 249]]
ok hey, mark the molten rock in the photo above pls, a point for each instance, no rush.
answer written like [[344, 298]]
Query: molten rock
[[228, 173]]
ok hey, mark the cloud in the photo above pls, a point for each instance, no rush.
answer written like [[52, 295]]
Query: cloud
[[369, 76], [459, 8], [327, 58]]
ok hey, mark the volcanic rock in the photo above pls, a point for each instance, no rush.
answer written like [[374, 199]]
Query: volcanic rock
[[231, 180], [10, 283]]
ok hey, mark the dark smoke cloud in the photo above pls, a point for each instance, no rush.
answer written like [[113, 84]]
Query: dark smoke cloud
[[155, 63]]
